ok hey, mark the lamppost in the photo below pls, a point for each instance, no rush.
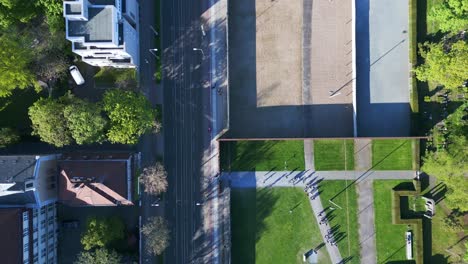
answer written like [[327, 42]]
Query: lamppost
[[153, 52], [198, 49]]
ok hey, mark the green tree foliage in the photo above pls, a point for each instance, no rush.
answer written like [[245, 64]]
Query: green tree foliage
[[14, 63], [450, 165], [130, 115], [450, 15], [16, 11], [99, 256], [49, 123], [53, 11], [8, 136], [157, 235], [101, 232], [85, 122], [444, 65]]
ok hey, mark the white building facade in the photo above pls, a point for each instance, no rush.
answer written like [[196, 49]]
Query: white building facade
[[103, 32]]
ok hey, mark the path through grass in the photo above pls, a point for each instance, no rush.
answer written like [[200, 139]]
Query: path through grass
[[345, 219], [262, 155], [263, 231]]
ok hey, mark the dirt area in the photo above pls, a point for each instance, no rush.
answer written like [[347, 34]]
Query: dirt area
[[278, 49]]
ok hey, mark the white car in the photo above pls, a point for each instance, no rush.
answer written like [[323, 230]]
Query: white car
[[75, 73]]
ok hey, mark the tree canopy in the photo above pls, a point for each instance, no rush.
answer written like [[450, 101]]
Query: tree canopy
[[49, 123], [157, 235], [444, 65], [8, 136], [99, 256], [450, 165], [85, 122], [100, 232], [14, 66], [16, 11], [450, 15], [154, 179], [130, 115]]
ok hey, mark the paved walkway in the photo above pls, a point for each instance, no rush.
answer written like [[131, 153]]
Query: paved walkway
[[366, 221], [363, 154], [249, 179], [309, 154]]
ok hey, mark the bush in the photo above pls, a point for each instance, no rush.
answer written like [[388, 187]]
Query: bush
[[8, 136]]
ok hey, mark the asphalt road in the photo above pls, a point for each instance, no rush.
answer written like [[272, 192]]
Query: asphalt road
[[185, 124]]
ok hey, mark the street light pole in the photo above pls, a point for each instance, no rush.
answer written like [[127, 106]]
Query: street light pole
[[152, 51], [203, 53]]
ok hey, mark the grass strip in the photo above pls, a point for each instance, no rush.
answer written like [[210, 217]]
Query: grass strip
[[345, 219], [392, 154], [263, 155], [331, 154]]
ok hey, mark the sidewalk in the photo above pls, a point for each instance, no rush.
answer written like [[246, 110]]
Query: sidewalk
[[366, 222], [248, 179]]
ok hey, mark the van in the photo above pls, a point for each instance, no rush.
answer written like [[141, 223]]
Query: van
[[75, 73]]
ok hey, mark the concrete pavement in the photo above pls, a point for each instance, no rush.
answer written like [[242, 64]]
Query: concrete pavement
[[249, 179], [366, 222]]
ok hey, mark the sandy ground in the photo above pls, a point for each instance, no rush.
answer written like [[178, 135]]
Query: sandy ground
[[284, 59], [278, 49]]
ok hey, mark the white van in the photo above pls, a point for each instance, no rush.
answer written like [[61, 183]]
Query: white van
[[75, 73]]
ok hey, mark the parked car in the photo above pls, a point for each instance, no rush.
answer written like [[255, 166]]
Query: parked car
[[71, 224], [75, 73]]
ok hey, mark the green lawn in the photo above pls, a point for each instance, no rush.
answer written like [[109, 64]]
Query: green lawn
[[432, 27], [330, 154], [263, 230], [444, 238], [107, 77], [390, 238], [392, 154], [345, 218], [262, 155]]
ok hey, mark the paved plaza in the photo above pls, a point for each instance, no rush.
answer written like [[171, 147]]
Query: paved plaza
[[382, 61], [290, 69]]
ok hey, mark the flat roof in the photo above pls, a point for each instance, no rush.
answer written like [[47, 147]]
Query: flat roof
[[11, 248], [98, 28], [93, 182]]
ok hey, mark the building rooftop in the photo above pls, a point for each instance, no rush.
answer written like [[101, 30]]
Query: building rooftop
[[94, 180], [11, 238], [98, 28], [15, 171]]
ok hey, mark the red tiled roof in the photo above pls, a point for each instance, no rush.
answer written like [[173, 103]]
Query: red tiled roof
[[103, 182]]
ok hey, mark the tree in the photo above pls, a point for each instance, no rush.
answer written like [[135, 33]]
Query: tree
[[16, 11], [14, 63], [154, 178], [8, 136], [444, 64], [53, 11], [157, 235], [49, 123], [85, 122], [100, 232], [450, 15], [99, 256], [450, 165], [130, 115]]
